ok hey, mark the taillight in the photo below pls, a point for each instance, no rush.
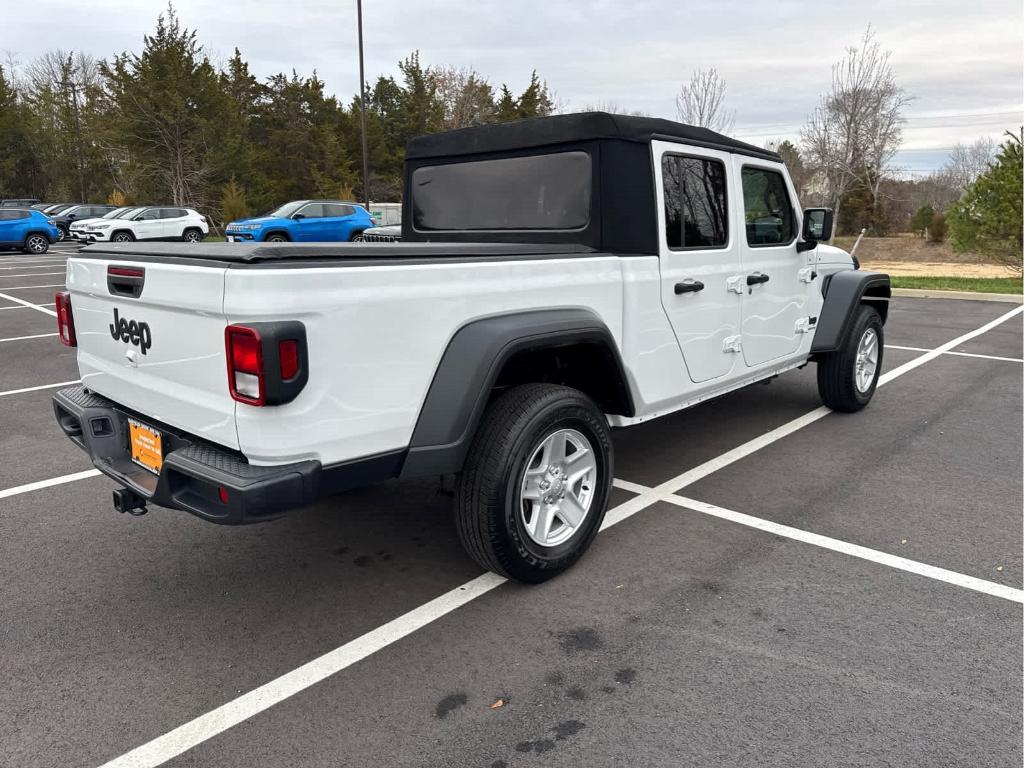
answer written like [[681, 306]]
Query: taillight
[[267, 362], [65, 320], [288, 358], [245, 364]]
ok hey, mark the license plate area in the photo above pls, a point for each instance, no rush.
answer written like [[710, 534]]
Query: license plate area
[[146, 446]]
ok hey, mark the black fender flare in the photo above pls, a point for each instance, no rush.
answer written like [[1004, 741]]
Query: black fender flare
[[844, 291], [470, 366]]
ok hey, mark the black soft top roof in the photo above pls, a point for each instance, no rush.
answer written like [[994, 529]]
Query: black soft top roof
[[562, 129]]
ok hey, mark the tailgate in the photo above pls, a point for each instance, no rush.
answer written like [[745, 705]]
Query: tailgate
[[155, 344]]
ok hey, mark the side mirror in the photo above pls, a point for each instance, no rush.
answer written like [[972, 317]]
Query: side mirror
[[817, 224], [299, 216]]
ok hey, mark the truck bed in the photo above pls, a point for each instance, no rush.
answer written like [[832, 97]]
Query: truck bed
[[235, 255]]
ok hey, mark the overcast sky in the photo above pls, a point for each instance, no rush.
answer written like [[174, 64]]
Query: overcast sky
[[962, 62]]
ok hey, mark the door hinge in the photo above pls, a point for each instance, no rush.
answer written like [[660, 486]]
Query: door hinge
[[807, 275], [736, 283], [732, 344]]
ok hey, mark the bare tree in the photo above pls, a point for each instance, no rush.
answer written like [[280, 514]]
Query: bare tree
[[856, 129], [701, 102], [968, 161], [467, 97], [612, 108]]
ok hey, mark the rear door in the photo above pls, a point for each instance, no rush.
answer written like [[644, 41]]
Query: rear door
[[339, 220], [776, 301], [173, 221], [160, 352], [12, 225], [699, 256]]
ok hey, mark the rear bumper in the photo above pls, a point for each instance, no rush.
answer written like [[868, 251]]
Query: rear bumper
[[193, 472]]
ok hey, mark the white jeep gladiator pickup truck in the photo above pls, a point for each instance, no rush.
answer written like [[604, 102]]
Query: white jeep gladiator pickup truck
[[556, 278]]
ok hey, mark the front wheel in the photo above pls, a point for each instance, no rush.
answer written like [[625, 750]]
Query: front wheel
[[276, 239], [536, 482], [36, 244], [847, 378], [61, 234], [122, 237]]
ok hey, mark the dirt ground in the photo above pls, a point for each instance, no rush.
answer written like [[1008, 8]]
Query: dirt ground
[[909, 255]]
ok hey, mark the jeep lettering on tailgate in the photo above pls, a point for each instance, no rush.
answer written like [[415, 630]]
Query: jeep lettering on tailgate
[[131, 332]]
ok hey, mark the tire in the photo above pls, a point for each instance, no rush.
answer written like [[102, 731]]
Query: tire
[[848, 377], [122, 237], [62, 234], [192, 236], [500, 529], [36, 244], [276, 237], [356, 237]]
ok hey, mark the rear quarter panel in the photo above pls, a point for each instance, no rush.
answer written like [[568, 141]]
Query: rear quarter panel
[[377, 333]]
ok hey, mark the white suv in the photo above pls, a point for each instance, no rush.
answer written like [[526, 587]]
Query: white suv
[[151, 224]]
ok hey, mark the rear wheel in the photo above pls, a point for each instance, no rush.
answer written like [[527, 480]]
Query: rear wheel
[[192, 236], [36, 244], [535, 486], [847, 378], [122, 237]]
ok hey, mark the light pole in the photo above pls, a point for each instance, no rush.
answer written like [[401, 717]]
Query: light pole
[[362, 107]]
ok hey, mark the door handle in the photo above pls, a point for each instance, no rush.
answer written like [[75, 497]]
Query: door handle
[[756, 278], [689, 286]]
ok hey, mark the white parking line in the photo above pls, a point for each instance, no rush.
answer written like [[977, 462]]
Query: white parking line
[[959, 354], [36, 389], [25, 338], [39, 307], [854, 550], [19, 489], [18, 263], [26, 305], [205, 727], [24, 287], [37, 274]]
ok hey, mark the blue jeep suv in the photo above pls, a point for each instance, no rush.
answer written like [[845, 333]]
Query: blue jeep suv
[[303, 221], [28, 230]]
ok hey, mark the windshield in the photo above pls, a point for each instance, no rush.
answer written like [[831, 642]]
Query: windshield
[[121, 213], [59, 208], [287, 209]]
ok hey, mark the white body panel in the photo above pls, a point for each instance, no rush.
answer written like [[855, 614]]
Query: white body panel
[[376, 333], [182, 378]]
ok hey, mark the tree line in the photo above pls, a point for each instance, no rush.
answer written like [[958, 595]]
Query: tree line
[[168, 125]]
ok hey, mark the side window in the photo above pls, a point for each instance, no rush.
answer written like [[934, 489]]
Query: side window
[[10, 215], [337, 210], [767, 209], [696, 212], [149, 215], [312, 211], [170, 213]]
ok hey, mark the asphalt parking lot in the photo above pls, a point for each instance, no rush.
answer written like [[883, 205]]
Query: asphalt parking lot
[[776, 585]]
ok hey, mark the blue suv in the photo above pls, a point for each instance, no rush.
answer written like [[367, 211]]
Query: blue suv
[[28, 230], [303, 221]]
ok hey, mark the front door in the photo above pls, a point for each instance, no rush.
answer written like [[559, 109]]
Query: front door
[[312, 228], [778, 280], [699, 253], [149, 225]]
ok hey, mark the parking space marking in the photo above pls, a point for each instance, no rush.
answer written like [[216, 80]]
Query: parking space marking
[[29, 304], [14, 264], [958, 354], [854, 550], [24, 338], [25, 287], [206, 726], [26, 305], [37, 274], [39, 484], [36, 389]]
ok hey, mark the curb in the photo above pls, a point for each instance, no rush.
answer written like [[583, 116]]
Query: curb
[[927, 293]]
